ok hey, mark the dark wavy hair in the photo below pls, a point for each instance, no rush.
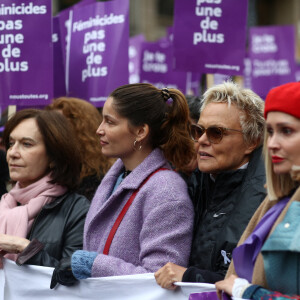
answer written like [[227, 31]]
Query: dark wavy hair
[[60, 142], [168, 121], [85, 119]]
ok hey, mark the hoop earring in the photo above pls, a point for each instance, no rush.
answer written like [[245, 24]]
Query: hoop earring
[[134, 146]]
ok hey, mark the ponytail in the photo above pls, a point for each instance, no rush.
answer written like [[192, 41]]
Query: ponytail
[[178, 147]]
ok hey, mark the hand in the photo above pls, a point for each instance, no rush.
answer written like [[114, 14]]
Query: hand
[[225, 285], [169, 274], [63, 274], [12, 244]]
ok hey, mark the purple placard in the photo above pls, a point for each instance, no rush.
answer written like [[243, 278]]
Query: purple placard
[[272, 55], [220, 78], [26, 64], [247, 73], [59, 87], [210, 36], [98, 52], [156, 66], [193, 84], [297, 72], [135, 47], [65, 25]]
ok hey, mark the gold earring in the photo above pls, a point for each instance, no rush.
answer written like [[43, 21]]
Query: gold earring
[[134, 146]]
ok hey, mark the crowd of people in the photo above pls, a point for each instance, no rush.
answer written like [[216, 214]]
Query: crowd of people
[[195, 190]]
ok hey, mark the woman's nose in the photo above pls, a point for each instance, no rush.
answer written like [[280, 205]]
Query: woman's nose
[[13, 151], [100, 130], [272, 142], [203, 139]]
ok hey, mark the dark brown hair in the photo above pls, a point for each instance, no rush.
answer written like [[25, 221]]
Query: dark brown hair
[[168, 121], [59, 140], [85, 119]]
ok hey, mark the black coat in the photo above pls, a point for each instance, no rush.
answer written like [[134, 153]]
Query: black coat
[[4, 174], [222, 211], [57, 231]]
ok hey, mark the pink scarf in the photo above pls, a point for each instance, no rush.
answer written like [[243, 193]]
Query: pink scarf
[[17, 220]]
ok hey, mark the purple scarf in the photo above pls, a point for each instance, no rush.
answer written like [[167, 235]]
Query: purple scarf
[[244, 256]]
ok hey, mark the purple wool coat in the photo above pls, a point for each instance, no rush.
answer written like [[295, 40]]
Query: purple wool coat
[[156, 229]]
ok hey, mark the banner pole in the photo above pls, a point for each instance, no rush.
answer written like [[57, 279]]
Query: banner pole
[[11, 110], [209, 80]]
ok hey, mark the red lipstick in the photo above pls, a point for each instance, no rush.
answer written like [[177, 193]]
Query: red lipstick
[[276, 159]]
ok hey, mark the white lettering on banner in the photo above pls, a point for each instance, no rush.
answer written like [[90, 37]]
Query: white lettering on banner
[[32, 283], [9, 52], [22, 9], [92, 44], [264, 44], [270, 67], [98, 21], [154, 62], [209, 26]]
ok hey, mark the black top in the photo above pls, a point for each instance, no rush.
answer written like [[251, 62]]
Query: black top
[[222, 211], [59, 228], [4, 173]]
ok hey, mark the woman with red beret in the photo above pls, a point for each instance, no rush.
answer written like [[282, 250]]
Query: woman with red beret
[[268, 254]]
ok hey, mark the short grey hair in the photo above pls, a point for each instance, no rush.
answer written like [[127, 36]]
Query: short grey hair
[[249, 104]]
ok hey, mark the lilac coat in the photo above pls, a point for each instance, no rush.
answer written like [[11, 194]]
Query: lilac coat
[[156, 229]]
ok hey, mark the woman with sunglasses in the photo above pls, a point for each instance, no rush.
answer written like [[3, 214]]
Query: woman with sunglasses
[[269, 250], [228, 187], [141, 215]]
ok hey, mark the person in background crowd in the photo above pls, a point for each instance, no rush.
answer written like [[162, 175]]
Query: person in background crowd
[[144, 127], [228, 186], [269, 250], [41, 219], [85, 119], [194, 104]]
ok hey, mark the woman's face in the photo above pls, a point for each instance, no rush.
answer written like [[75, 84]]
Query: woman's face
[[231, 152], [283, 141], [116, 139], [26, 156]]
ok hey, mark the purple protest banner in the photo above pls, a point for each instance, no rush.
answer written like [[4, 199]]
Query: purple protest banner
[[26, 64], [297, 72], [65, 25], [98, 52], [247, 73], [59, 87], [272, 55], [210, 36], [156, 66], [135, 45], [220, 78]]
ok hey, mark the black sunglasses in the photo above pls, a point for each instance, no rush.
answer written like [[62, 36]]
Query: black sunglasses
[[214, 133]]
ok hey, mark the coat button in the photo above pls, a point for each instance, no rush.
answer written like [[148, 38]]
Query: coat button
[[286, 225]]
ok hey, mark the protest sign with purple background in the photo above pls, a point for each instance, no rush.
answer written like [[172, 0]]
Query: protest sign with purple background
[[65, 25], [59, 86], [135, 44], [156, 66], [210, 36], [98, 52], [26, 64], [272, 56]]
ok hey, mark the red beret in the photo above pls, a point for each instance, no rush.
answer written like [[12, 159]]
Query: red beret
[[284, 98]]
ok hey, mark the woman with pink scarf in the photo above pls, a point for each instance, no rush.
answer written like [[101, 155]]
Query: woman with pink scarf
[[41, 219]]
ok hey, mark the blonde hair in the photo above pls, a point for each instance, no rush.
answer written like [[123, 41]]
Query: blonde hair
[[250, 105], [278, 185]]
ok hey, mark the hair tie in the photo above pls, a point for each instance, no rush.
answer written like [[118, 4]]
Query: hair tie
[[166, 94]]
